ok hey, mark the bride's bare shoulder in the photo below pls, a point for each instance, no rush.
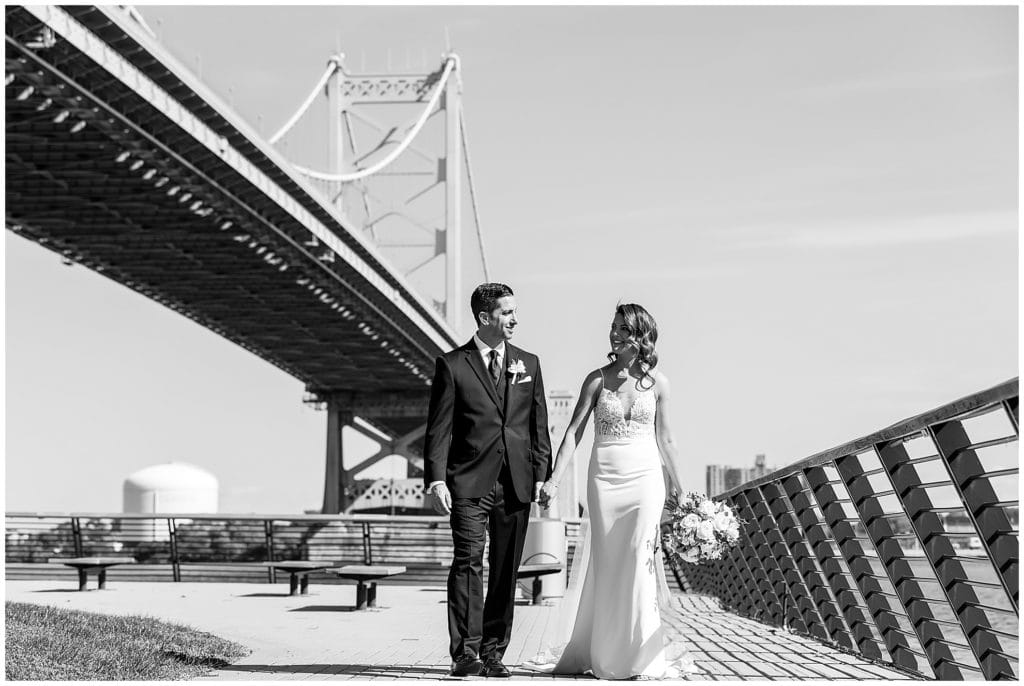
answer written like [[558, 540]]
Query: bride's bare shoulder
[[661, 384], [594, 379]]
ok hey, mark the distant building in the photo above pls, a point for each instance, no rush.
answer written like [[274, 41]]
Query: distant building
[[566, 504], [760, 468], [714, 477], [721, 478]]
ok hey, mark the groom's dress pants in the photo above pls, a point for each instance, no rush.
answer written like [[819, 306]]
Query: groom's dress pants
[[475, 624]]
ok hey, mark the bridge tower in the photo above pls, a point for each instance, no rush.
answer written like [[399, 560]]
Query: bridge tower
[[396, 163]]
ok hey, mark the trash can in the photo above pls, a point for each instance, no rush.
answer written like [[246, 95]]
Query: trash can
[[545, 543]]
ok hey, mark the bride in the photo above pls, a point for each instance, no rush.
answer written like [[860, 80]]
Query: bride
[[613, 621]]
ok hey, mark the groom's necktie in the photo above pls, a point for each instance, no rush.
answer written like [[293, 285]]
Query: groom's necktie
[[494, 368]]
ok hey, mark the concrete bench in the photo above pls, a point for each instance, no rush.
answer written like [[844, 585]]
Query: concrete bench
[[366, 577], [299, 571], [535, 572], [86, 564]]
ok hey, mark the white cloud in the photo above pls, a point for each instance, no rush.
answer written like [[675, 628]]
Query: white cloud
[[881, 232], [892, 81], [687, 273]]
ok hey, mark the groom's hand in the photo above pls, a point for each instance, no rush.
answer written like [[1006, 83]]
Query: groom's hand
[[441, 499], [547, 494], [537, 493]]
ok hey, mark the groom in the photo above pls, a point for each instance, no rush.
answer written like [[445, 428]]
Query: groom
[[486, 455]]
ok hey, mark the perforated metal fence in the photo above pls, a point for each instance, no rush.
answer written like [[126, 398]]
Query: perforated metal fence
[[901, 546]]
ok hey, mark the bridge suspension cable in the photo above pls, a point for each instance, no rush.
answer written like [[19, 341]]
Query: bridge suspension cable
[[451, 64], [333, 65], [472, 194], [373, 169]]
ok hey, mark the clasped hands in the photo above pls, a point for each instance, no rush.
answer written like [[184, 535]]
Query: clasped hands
[[441, 498], [547, 492]]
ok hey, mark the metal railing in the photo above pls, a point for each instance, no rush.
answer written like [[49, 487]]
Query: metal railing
[[173, 543], [901, 545], [222, 547]]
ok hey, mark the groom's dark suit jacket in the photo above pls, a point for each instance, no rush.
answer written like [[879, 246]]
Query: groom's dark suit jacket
[[471, 429]]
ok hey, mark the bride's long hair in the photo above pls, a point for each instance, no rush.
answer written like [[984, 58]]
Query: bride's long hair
[[644, 331]]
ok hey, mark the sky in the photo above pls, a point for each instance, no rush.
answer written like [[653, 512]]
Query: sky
[[817, 204]]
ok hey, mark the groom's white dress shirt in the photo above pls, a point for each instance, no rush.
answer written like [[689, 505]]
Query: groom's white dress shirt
[[485, 353]]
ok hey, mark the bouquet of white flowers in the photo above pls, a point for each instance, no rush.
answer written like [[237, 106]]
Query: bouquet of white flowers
[[700, 529]]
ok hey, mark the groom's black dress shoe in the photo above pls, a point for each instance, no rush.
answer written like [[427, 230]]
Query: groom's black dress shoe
[[493, 667], [467, 665]]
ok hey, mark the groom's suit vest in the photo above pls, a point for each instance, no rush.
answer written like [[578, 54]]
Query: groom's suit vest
[[474, 427]]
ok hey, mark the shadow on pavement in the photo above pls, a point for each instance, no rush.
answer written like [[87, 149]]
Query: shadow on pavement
[[363, 671], [264, 595], [334, 608]]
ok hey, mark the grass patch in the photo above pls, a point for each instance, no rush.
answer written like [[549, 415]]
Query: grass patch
[[54, 644]]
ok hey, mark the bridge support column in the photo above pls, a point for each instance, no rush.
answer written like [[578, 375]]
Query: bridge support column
[[402, 446], [336, 128], [337, 481], [453, 304], [378, 414]]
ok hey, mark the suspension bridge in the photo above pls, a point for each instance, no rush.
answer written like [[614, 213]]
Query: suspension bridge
[[121, 160], [898, 548]]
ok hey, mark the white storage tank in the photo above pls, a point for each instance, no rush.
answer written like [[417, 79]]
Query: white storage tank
[[169, 488]]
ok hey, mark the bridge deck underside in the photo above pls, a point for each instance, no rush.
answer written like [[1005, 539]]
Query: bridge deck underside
[[237, 263]]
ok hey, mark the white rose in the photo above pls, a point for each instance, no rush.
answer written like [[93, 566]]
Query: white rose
[[691, 555], [705, 531], [707, 508], [691, 520], [732, 534], [721, 522], [708, 549]]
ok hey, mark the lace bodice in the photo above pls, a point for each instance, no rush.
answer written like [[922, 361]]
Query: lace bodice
[[610, 416]]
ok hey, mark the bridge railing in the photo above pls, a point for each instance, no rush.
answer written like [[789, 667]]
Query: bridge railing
[[901, 545]]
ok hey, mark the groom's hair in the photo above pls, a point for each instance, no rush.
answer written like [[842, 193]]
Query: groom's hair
[[485, 298]]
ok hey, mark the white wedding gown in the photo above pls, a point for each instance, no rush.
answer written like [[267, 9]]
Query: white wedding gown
[[612, 620]]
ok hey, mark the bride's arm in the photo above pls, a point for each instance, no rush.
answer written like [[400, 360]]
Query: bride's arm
[[666, 442], [574, 431]]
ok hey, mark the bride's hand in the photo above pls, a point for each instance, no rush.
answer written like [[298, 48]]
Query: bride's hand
[[547, 493]]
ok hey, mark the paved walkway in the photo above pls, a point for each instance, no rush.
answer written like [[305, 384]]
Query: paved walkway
[[319, 636]]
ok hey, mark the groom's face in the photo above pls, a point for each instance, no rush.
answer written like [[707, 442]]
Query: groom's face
[[501, 321]]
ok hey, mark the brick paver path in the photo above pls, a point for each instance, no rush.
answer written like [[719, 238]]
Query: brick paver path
[[319, 636]]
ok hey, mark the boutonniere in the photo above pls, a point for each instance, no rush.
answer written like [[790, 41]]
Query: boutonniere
[[515, 368]]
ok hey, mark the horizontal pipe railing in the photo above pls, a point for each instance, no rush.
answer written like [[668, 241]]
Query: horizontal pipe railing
[[241, 516], [901, 545], [211, 538], [226, 547]]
